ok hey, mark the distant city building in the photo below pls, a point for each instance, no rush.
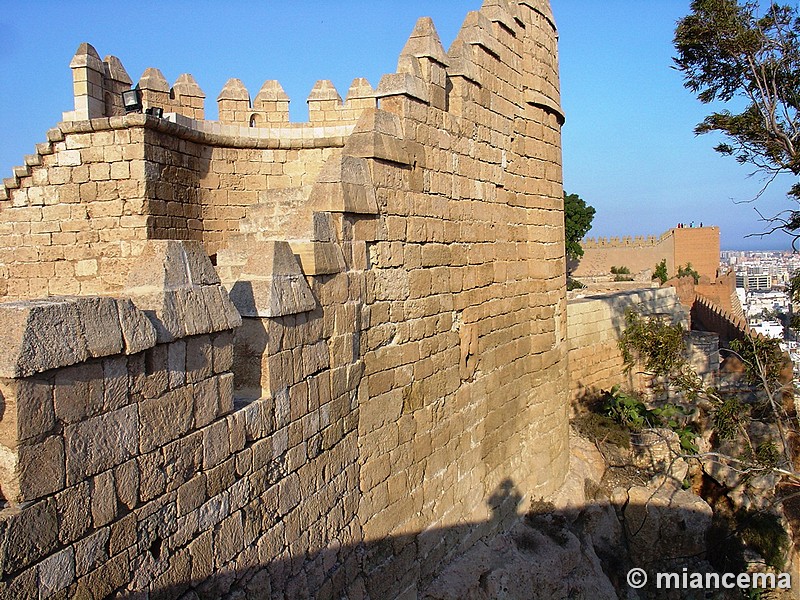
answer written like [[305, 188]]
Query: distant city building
[[772, 329], [752, 281]]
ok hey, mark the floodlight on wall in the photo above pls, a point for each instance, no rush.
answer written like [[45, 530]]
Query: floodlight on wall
[[132, 100], [156, 111]]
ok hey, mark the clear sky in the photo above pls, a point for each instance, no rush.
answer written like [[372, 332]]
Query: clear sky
[[628, 145]]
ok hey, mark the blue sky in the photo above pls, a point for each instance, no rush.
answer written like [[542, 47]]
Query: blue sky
[[628, 145]]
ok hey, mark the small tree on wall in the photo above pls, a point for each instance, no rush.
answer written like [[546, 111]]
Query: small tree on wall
[[689, 271], [660, 272]]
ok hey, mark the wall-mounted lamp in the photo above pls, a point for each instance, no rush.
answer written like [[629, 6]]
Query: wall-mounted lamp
[[132, 100], [156, 111]]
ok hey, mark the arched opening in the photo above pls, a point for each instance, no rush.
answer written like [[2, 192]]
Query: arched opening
[[255, 120]]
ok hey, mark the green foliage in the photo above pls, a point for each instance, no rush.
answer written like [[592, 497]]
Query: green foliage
[[658, 344], [767, 454], [794, 287], [574, 284], [729, 415], [675, 417], [688, 271], [732, 533], [763, 359], [627, 409], [601, 428], [660, 271], [578, 218], [727, 50], [764, 533], [621, 274]]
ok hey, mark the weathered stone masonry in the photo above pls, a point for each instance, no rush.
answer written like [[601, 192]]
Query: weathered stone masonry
[[399, 376]]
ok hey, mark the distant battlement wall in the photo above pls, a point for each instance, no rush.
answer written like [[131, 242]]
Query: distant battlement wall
[[678, 246], [243, 359], [638, 241], [709, 316]]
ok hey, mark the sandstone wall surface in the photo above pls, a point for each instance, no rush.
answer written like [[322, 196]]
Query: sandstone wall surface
[[594, 327], [397, 388]]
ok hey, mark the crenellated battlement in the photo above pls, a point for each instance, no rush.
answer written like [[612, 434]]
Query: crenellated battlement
[[639, 241], [425, 72], [98, 86]]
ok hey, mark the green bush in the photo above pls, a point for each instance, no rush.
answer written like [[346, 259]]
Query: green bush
[[627, 409], [600, 428], [660, 271], [574, 284], [764, 533], [688, 271]]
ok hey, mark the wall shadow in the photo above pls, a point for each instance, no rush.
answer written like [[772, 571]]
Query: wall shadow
[[581, 552]]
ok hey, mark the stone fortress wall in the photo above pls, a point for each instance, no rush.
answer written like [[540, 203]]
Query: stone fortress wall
[[679, 246], [303, 359], [594, 327]]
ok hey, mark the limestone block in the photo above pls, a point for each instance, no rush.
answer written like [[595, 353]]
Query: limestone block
[[323, 227], [345, 185], [234, 89], [35, 528], [137, 332], [176, 286], [498, 11], [100, 443], [38, 471], [272, 283], [57, 332], [193, 311], [543, 8], [100, 319], [172, 264], [537, 98], [323, 95], [104, 499], [403, 84], [199, 358], [319, 258], [115, 71], [27, 410], [378, 134], [91, 552], [153, 79], [164, 419], [424, 42], [161, 308], [189, 94], [205, 404], [271, 91], [477, 30], [360, 94], [126, 480], [215, 444], [224, 315]]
